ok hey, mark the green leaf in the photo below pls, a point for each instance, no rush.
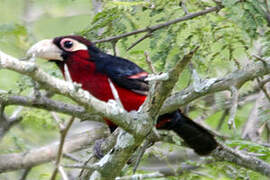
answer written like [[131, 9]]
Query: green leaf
[[12, 29], [229, 3]]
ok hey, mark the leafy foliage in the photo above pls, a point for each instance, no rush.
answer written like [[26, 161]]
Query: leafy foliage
[[226, 42], [14, 33]]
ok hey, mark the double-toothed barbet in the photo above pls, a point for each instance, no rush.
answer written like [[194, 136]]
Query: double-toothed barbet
[[94, 70]]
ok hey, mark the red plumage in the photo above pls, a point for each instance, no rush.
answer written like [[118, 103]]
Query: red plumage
[[84, 72]]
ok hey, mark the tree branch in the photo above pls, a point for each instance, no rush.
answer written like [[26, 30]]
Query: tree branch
[[110, 110], [160, 90], [238, 78], [7, 122], [25, 173], [250, 128], [10, 162], [48, 104], [149, 62], [126, 143], [173, 102], [63, 132], [162, 25], [250, 162], [233, 109], [138, 128]]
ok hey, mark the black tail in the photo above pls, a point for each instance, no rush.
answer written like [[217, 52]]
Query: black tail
[[194, 135]]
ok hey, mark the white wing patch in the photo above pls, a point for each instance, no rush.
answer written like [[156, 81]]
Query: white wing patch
[[115, 93]]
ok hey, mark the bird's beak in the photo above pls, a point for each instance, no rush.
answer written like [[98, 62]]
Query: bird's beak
[[45, 49]]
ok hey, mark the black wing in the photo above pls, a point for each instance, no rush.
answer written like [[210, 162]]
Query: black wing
[[123, 72]]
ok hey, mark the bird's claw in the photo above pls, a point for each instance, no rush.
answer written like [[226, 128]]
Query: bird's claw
[[97, 148]]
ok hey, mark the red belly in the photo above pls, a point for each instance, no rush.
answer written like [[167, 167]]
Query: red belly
[[84, 72]]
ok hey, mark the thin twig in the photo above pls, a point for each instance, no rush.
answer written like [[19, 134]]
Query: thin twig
[[221, 120], [267, 6], [265, 10], [162, 25], [92, 155], [251, 126], [61, 126], [233, 109], [260, 58], [96, 175], [63, 132], [142, 176], [184, 7], [261, 85], [80, 166], [114, 47], [164, 172], [106, 145], [141, 152], [8, 122], [71, 157], [260, 129], [265, 145], [16, 113], [25, 173], [149, 62], [63, 173], [140, 40], [264, 81], [36, 88], [2, 110], [267, 133]]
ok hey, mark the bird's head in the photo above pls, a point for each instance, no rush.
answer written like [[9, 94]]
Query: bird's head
[[61, 48]]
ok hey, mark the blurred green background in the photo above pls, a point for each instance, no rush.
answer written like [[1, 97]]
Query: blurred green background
[[226, 43]]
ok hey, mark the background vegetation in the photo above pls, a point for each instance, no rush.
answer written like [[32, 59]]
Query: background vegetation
[[229, 39]]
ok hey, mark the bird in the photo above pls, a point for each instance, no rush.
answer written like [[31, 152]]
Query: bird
[[96, 71]]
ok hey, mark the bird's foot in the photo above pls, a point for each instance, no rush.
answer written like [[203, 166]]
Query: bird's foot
[[97, 148]]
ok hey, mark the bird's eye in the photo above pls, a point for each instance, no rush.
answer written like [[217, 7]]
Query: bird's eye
[[68, 44], [71, 45]]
